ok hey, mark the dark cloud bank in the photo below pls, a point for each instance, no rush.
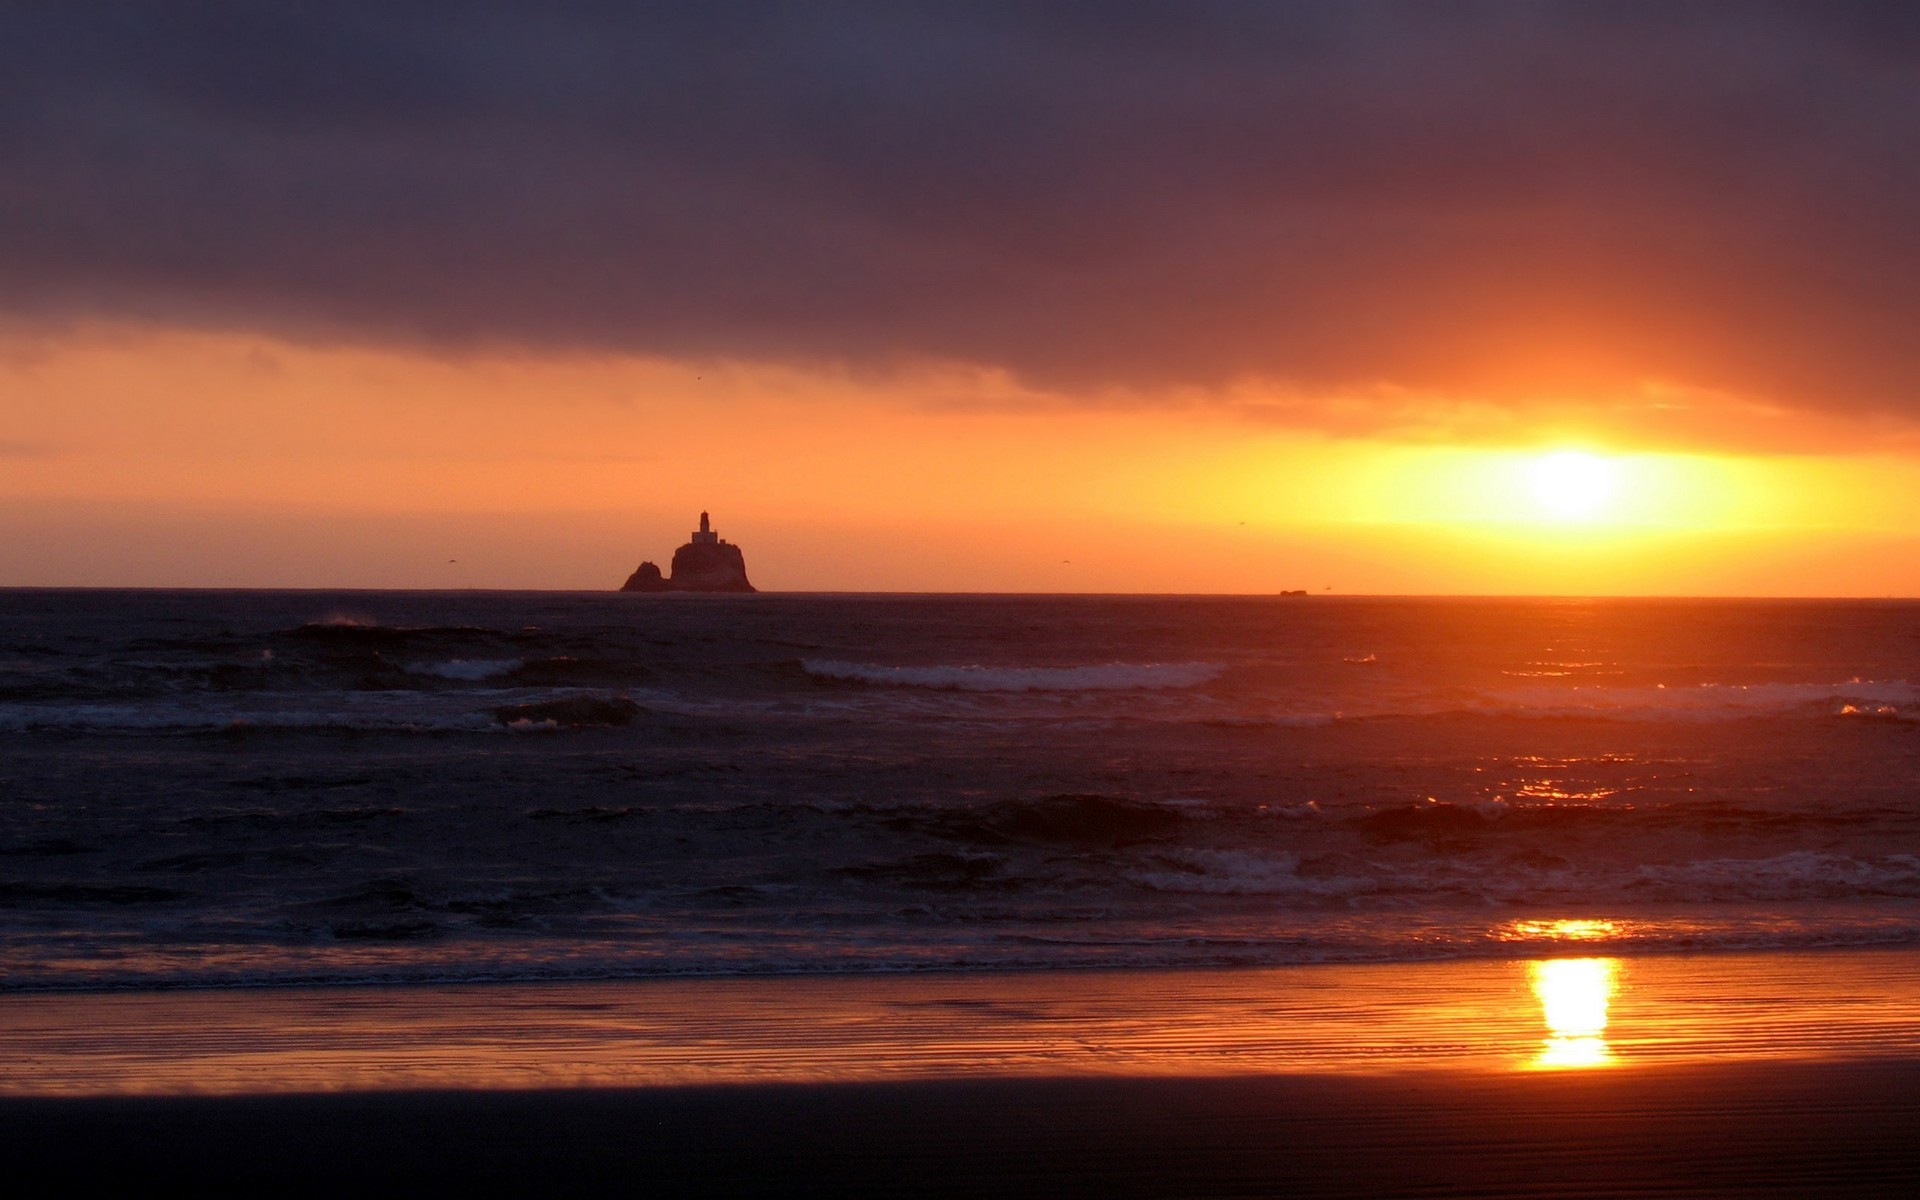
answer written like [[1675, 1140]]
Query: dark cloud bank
[[1503, 198]]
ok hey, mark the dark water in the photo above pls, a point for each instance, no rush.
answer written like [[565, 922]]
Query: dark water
[[233, 787]]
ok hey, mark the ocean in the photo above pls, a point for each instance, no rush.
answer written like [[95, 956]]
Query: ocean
[[252, 788]]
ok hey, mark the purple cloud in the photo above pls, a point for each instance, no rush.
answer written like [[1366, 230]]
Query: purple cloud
[[1510, 199]]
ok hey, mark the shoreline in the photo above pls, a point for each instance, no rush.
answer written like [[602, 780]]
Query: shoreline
[[1485, 1016], [1764, 1074], [1899, 944]]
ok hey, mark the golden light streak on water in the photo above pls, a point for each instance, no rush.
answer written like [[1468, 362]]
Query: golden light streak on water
[[1566, 930]]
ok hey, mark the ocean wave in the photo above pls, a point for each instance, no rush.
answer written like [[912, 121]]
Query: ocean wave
[[395, 949], [1798, 875], [386, 711], [1245, 873], [1265, 721], [471, 670], [348, 631], [1115, 676], [1068, 819], [570, 712], [1888, 699], [168, 719]]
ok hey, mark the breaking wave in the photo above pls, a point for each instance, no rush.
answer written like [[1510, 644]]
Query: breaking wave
[[1713, 701], [204, 789], [1089, 678], [1798, 875], [398, 712], [161, 718], [348, 631], [470, 669]]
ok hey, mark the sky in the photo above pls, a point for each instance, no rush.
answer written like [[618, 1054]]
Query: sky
[[1369, 296]]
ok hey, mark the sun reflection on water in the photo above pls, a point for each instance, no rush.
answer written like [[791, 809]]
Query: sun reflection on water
[[1573, 995], [1563, 930]]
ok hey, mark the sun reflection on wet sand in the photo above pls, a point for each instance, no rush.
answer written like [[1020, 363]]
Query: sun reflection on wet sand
[[1487, 1015], [1574, 994]]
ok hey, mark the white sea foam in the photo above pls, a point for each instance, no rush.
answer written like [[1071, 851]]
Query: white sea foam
[[1088, 678], [1795, 875], [1247, 873], [1711, 701], [158, 718], [989, 815], [471, 669]]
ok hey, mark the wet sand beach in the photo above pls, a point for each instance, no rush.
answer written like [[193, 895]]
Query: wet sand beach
[[1766, 1074], [1749, 1129]]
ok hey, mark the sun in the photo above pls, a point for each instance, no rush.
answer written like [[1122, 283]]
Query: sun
[[1573, 485]]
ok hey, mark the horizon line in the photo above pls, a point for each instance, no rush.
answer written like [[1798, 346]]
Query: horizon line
[[747, 597]]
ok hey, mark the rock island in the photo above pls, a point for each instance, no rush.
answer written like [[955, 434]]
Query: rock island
[[707, 563]]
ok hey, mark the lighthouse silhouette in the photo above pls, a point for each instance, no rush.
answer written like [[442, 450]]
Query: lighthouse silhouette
[[707, 563]]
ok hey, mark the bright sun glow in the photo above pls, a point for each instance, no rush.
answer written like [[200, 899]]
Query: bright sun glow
[[1573, 485]]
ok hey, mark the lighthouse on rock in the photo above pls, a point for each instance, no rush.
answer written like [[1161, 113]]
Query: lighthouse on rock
[[707, 563]]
